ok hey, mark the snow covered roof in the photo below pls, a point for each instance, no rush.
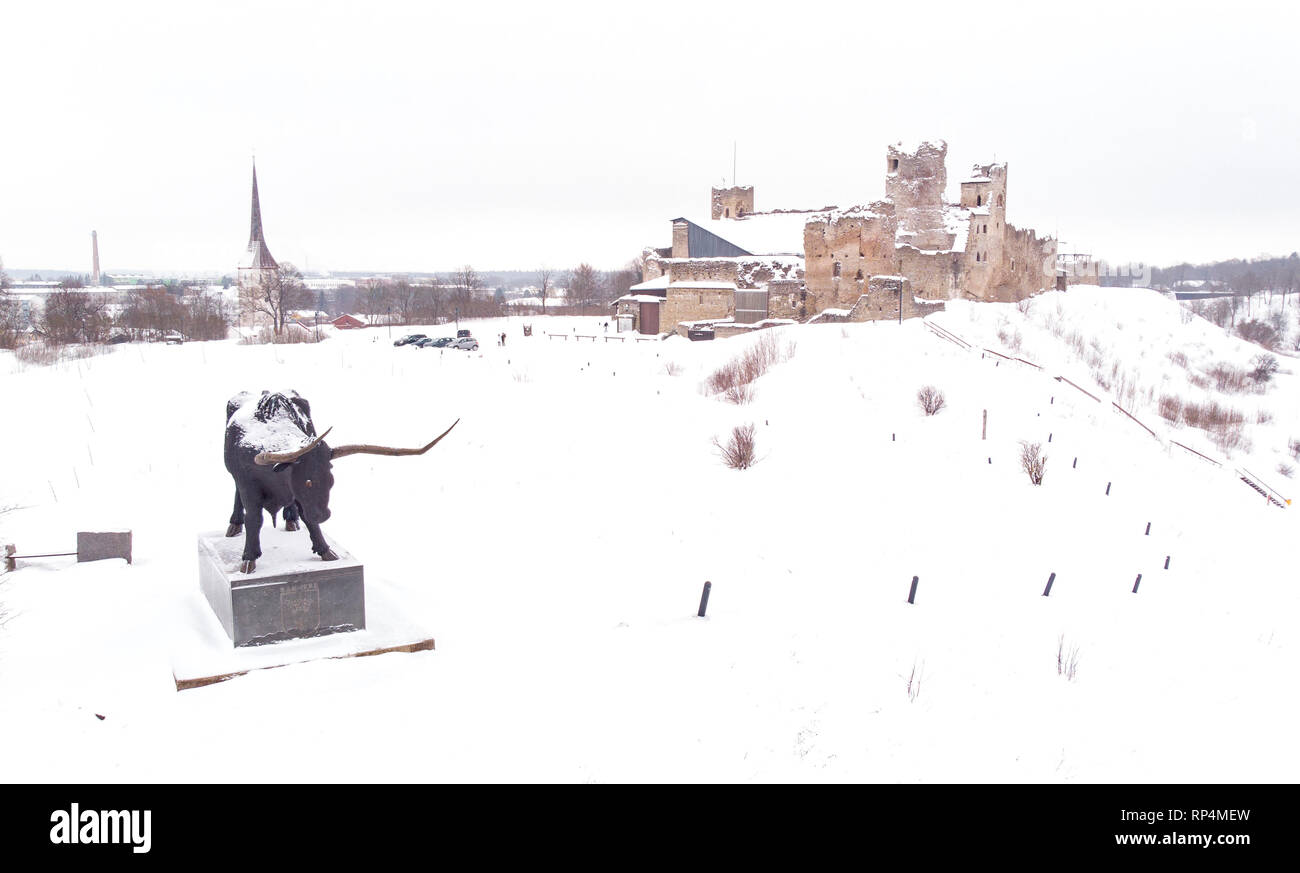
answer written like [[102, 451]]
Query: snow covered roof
[[639, 298], [703, 284], [763, 233], [656, 284]]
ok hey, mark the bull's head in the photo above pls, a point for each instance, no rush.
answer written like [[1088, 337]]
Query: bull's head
[[309, 469]]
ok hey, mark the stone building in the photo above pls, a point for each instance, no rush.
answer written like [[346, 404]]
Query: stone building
[[746, 268]]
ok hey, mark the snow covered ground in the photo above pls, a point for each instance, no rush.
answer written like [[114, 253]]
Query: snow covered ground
[[555, 544]]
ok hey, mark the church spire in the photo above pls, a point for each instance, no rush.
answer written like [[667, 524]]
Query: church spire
[[259, 256]]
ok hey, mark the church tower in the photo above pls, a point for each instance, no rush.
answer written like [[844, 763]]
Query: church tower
[[258, 264]]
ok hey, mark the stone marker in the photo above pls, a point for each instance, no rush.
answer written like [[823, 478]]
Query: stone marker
[[102, 545], [291, 595]]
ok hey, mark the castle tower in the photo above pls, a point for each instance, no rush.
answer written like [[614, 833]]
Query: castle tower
[[94, 256], [258, 262], [735, 202], [915, 179]]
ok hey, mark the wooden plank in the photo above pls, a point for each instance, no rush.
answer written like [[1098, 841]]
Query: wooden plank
[[1071, 384], [1139, 424], [201, 681], [1194, 452]]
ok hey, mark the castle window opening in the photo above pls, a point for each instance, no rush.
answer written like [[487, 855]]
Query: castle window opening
[[726, 213], [979, 200], [986, 228], [893, 164], [835, 271], [999, 199]]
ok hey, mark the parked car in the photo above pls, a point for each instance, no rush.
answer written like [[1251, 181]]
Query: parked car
[[424, 343], [173, 338], [441, 342], [696, 334], [468, 343], [462, 333], [409, 339]]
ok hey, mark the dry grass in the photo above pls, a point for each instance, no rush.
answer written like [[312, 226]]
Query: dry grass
[[42, 355], [672, 368], [734, 379], [1067, 659], [738, 452]]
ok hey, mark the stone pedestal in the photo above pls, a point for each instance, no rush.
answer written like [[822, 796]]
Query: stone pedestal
[[293, 594]]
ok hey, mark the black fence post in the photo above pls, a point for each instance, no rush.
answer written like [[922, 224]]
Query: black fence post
[[704, 599], [1048, 590], [1136, 583], [911, 595]]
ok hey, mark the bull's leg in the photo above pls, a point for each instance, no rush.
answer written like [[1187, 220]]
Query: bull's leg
[[252, 537], [318, 544], [236, 518], [291, 516]]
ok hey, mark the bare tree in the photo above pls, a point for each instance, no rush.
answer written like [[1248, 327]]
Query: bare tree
[[374, 300], [544, 278], [403, 298], [10, 314], [276, 295], [584, 285], [74, 316]]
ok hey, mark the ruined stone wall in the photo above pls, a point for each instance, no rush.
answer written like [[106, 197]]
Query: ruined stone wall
[[934, 275], [882, 300], [695, 304], [788, 298], [732, 202], [702, 270], [915, 182], [1018, 264], [842, 249]]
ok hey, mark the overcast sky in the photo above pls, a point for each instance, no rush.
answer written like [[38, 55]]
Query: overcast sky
[[404, 136]]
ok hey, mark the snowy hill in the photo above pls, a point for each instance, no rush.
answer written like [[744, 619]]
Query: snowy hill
[[556, 542]]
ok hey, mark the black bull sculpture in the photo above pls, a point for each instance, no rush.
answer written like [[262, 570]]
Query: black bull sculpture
[[278, 462]]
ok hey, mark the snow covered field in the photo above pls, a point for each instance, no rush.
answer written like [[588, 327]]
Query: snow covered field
[[555, 544]]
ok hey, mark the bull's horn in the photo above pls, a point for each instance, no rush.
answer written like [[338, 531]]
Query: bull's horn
[[268, 458], [344, 451]]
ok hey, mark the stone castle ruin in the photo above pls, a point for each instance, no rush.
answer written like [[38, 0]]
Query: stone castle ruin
[[899, 257]]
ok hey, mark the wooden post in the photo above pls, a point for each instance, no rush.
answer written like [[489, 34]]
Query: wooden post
[[10, 563], [1166, 562], [911, 595], [984, 434], [1148, 533], [1048, 589], [1136, 583], [1107, 489], [1075, 464], [704, 599]]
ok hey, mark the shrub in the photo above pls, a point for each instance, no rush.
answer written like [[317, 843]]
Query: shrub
[[733, 379], [1286, 470], [1258, 332], [1171, 408], [738, 452], [1294, 448], [931, 399], [1032, 462], [672, 368], [1228, 378], [1263, 367]]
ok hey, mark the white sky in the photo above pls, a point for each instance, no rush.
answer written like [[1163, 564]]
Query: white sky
[[394, 136]]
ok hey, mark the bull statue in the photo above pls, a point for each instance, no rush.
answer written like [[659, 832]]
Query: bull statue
[[278, 463]]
